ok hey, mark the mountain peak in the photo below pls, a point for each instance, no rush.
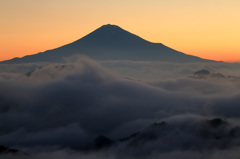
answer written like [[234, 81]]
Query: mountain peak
[[112, 34], [110, 26], [108, 29], [111, 42]]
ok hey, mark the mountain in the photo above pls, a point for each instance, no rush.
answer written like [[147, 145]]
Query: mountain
[[206, 134], [110, 42], [9, 151]]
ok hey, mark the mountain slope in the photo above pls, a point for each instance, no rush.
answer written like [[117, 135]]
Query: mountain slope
[[111, 42]]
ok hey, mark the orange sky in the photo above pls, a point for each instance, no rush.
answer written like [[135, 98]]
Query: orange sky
[[207, 28]]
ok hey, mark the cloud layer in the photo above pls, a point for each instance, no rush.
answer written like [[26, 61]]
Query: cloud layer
[[68, 105]]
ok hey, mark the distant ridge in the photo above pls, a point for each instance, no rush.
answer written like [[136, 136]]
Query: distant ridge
[[110, 42]]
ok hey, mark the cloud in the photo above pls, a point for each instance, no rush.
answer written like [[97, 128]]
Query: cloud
[[204, 87], [68, 105]]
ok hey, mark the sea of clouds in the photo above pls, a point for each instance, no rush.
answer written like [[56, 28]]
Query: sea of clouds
[[52, 110]]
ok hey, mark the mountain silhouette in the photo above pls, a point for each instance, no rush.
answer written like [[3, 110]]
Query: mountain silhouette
[[110, 42]]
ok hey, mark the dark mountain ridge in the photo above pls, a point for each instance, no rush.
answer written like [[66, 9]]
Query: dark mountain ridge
[[110, 42]]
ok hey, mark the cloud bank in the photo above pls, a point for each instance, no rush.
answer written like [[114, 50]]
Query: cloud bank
[[68, 105]]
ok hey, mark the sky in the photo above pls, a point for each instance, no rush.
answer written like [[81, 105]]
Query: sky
[[206, 28]]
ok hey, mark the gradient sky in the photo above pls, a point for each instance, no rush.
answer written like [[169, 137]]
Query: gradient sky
[[205, 28]]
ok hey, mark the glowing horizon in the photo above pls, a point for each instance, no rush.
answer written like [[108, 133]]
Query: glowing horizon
[[205, 29]]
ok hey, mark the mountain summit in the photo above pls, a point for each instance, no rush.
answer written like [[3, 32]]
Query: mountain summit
[[113, 34], [110, 42]]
